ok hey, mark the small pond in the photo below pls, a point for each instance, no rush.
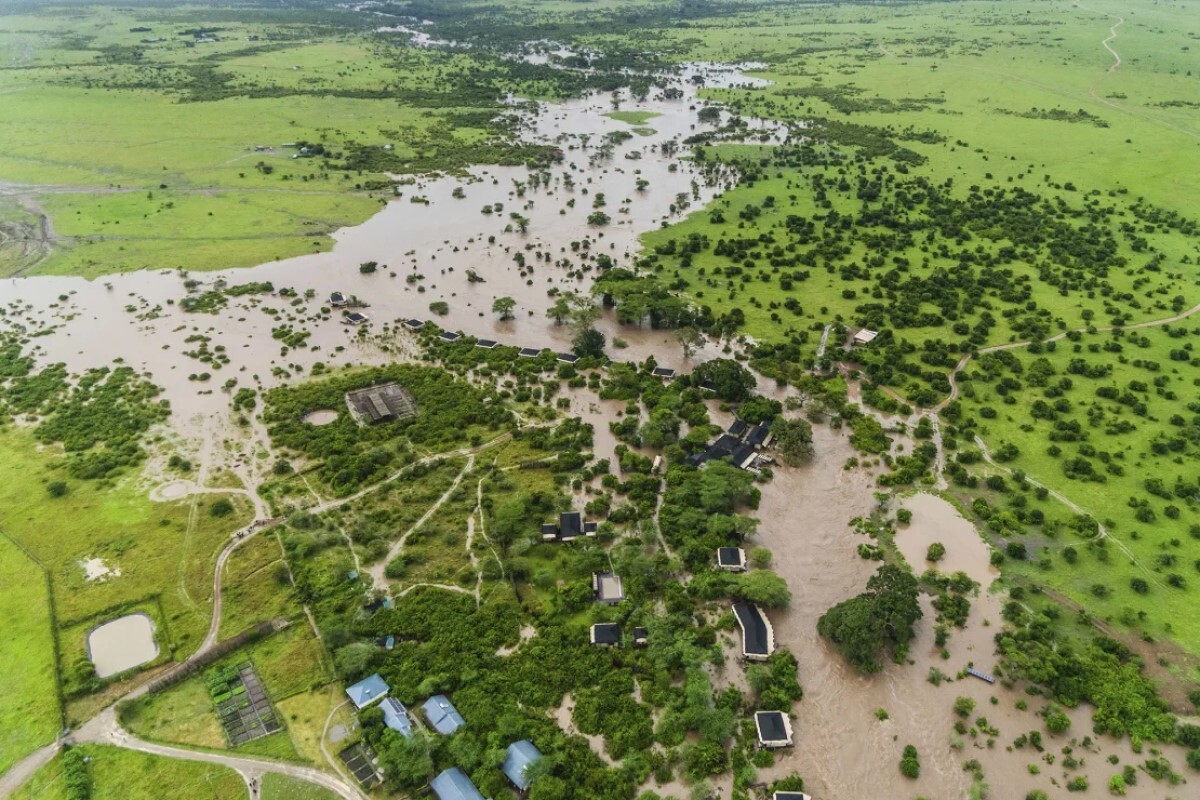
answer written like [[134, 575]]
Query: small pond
[[123, 643]]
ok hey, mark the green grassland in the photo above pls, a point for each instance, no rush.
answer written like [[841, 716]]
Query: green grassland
[[1122, 455], [118, 774], [29, 710], [143, 153], [165, 552], [281, 787], [256, 586], [292, 665]]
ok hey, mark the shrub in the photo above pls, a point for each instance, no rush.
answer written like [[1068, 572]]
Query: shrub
[[936, 552], [910, 767], [221, 508], [57, 489]]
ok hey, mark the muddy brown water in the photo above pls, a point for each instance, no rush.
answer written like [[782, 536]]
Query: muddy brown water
[[841, 749], [130, 316], [122, 644]]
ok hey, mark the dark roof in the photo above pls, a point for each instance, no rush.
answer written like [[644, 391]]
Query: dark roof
[[664, 372], [738, 427], [640, 633], [570, 358], [415, 324], [741, 453], [606, 633], [570, 524], [354, 316], [529, 352], [589, 527], [337, 297], [708, 385], [726, 442], [450, 336], [696, 459], [729, 556], [789, 796], [486, 344], [549, 529], [758, 434], [754, 629], [771, 727]]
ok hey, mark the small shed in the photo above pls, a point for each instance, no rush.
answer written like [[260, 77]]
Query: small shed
[[863, 336], [606, 634], [356, 318], [774, 729], [664, 372], [790, 796], [641, 637], [571, 525], [529, 352], [383, 403], [453, 784], [442, 715], [758, 638], [731, 558], [395, 716], [450, 336], [414, 324], [607, 587], [337, 299], [566, 358], [486, 344], [368, 691], [518, 758]]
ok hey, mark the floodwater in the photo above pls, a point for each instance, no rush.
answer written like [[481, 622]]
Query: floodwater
[[842, 749], [936, 520], [122, 644], [429, 243], [324, 416]]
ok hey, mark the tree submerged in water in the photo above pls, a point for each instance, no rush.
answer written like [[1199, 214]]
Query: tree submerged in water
[[881, 617]]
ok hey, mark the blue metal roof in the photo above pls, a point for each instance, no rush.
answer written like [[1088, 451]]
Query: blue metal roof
[[368, 690], [395, 716], [519, 756], [453, 784], [443, 716]]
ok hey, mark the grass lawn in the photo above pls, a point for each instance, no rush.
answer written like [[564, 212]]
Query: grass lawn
[[1137, 442], [294, 669], [165, 556], [127, 775], [256, 586], [282, 787], [29, 711], [638, 118]]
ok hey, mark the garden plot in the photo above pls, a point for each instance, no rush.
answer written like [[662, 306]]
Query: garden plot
[[360, 760], [242, 704]]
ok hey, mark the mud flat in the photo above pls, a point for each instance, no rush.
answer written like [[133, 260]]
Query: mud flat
[[324, 416], [841, 748], [122, 644]]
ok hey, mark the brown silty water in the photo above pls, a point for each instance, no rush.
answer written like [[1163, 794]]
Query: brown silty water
[[841, 748], [130, 315]]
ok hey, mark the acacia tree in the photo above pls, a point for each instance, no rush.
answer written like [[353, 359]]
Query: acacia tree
[[504, 306], [690, 340], [794, 440]]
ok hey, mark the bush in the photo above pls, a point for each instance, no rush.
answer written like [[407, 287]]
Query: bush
[[221, 508], [963, 706], [57, 489], [910, 767], [936, 552]]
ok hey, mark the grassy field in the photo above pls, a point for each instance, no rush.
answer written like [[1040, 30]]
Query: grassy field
[[281, 787], [1108, 421], [29, 710], [294, 670], [257, 586], [126, 775], [165, 554], [149, 149]]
